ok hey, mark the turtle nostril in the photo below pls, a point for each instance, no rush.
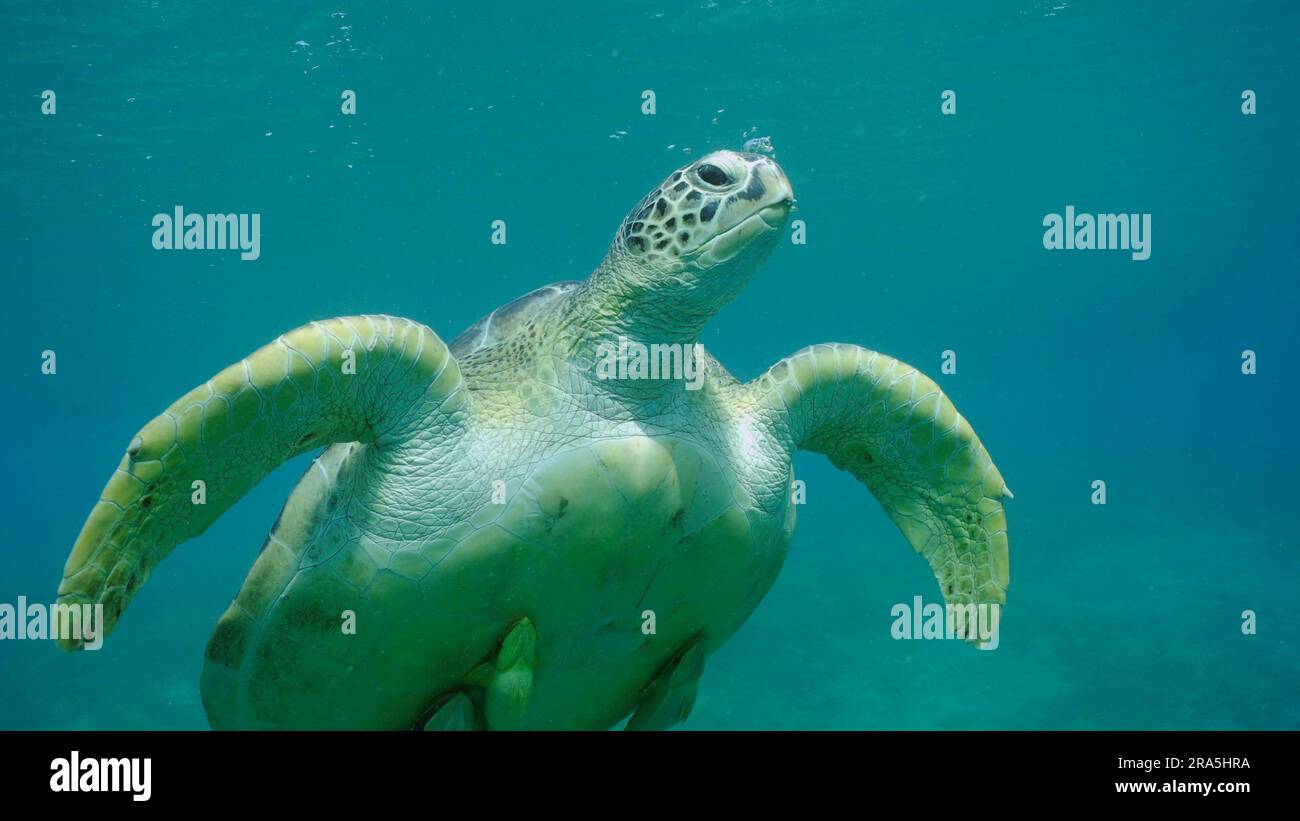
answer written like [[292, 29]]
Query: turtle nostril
[[713, 175]]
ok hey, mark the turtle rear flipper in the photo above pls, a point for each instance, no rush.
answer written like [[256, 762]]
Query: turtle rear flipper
[[456, 713], [668, 699], [353, 379]]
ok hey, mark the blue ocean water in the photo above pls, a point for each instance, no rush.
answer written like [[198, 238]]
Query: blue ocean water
[[924, 235]]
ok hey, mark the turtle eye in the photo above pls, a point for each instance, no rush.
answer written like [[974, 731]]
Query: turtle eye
[[713, 175]]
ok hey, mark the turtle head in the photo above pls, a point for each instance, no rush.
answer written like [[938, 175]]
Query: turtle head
[[714, 220], [693, 242]]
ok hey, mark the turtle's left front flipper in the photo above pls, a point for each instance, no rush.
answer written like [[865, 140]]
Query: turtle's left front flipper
[[372, 379], [893, 428]]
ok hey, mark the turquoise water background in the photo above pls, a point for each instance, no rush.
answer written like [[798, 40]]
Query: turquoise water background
[[924, 234]]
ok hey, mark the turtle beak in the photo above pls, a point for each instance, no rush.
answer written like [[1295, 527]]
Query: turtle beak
[[776, 180], [775, 215], [779, 199]]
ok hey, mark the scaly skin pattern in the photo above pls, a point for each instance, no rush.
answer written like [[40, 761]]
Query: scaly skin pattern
[[500, 520]]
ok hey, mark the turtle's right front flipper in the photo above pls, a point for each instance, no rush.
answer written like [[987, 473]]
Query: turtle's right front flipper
[[367, 379]]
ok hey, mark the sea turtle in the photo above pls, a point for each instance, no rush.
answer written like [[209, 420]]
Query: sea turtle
[[519, 531]]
